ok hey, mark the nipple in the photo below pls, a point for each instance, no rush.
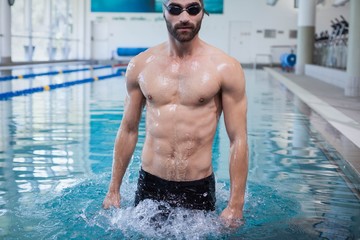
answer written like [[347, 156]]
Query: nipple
[[149, 97]]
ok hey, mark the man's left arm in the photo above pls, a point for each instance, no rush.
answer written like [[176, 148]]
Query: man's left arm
[[235, 109]]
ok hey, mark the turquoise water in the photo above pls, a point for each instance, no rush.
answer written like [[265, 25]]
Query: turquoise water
[[56, 156]]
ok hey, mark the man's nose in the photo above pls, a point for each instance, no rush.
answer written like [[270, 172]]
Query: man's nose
[[184, 17]]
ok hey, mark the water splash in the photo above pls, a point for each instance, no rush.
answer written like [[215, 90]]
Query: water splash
[[148, 220], [76, 213]]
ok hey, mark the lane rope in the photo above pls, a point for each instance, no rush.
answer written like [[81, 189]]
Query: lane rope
[[8, 95], [33, 75]]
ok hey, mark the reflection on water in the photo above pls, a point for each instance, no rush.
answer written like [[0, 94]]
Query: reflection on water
[[56, 156]]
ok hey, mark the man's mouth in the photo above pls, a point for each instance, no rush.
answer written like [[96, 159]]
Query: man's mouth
[[184, 28]]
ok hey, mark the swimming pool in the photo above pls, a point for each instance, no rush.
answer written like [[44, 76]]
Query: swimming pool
[[56, 156]]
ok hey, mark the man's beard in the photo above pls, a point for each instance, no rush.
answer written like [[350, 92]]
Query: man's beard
[[183, 36]]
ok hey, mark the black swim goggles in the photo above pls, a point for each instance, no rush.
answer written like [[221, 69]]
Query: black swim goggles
[[192, 10]]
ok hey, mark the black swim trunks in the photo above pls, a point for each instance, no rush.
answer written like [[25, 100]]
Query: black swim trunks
[[198, 194]]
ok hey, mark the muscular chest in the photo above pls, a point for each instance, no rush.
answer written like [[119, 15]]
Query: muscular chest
[[186, 84]]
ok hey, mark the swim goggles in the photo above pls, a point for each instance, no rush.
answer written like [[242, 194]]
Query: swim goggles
[[192, 10]]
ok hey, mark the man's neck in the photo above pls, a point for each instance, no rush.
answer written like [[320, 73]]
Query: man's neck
[[183, 49]]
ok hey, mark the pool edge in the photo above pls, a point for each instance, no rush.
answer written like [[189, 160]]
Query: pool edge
[[338, 131]]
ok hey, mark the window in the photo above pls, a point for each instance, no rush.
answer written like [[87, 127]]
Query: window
[[46, 26], [292, 34], [270, 33]]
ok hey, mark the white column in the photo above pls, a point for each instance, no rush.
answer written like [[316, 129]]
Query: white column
[[306, 31], [5, 32], [28, 22], [66, 46], [87, 39], [51, 49], [79, 27], [352, 88]]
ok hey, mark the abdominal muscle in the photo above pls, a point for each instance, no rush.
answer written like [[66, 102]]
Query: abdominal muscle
[[178, 143]]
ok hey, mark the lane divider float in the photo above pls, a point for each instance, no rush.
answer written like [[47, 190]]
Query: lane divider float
[[33, 75], [8, 95]]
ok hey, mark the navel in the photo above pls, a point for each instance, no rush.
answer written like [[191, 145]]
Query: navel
[[201, 100]]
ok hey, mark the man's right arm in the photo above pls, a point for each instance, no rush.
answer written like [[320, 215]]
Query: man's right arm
[[127, 135]]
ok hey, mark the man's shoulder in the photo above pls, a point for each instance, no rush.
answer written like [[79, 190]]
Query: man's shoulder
[[138, 62], [219, 57], [151, 51], [227, 66]]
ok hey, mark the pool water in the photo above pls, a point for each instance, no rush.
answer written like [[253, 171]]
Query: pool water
[[56, 156]]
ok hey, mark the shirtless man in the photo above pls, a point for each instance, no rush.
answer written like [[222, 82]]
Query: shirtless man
[[185, 85]]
